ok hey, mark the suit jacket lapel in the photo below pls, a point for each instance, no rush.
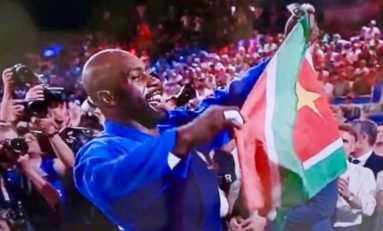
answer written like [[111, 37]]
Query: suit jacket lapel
[[206, 183]]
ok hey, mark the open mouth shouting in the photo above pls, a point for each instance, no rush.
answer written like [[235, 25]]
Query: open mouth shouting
[[154, 98]]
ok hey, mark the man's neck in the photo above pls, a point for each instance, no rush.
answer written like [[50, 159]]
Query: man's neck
[[124, 120], [362, 152], [35, 159], [378, 149]]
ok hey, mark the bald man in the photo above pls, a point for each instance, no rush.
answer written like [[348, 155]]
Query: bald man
[[143, 171]]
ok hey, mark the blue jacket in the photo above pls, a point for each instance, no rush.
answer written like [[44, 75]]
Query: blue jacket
[[126, 174]]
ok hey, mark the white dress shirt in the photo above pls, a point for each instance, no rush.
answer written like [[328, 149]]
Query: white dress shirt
[[363, 158], [379, 182], [362, 184]]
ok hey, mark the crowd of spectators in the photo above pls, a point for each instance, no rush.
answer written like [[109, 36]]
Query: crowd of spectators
[[348, 67]]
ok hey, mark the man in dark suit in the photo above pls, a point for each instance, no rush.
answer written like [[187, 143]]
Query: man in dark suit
[[365, 156], [315, 215]]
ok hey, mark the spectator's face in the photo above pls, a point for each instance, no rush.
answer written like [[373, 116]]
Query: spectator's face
[[199, 81], [74, 109], [222, 80], [362, 63], [362, 142], [171, 87], [348, 142], [379, 138], [33, 144], [59, 112]]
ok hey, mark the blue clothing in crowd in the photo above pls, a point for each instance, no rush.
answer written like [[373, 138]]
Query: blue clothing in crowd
[[126, 173], [53, 177]]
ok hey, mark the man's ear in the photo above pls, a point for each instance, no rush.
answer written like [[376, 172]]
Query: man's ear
[[365, 137], [106, 97]]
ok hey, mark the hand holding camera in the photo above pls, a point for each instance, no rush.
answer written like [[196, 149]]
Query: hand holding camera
[[7, 80], [38, 98], [36, 93], [45, 125], [24, 162], [12, 110]]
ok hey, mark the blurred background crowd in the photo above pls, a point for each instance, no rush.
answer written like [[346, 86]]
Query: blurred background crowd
[[194, 49]]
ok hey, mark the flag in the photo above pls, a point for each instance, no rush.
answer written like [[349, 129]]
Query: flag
[[290, 147]]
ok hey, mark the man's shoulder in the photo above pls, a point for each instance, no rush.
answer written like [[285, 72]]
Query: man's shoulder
[[363, 171], [380, 176], [376, 158], [96, 146]]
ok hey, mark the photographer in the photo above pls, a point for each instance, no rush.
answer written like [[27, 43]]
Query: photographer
[[9, 110], [41, 100], [42, 200], [46, 125]]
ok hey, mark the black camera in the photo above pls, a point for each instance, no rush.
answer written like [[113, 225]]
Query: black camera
[[23, 76], [14, 216], [186, 94], [39, 108], [76, 137], [13, 149]]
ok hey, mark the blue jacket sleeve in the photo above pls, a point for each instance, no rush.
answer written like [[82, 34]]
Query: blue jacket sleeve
[[320, 207], [136, 177], [235, 95], [237, 91]]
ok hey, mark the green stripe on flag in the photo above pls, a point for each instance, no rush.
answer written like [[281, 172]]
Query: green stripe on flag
[[289, 62], [328, 167]]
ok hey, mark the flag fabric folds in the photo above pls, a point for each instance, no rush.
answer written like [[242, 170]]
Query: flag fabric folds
[[290, 147]]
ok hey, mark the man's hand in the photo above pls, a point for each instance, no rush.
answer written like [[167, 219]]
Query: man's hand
[[205, 127], [7, 79], [295, 17], [343, 186], [253, 223], [45, 125], [24, 162], [11, 110], [235, 223], [35, 93]]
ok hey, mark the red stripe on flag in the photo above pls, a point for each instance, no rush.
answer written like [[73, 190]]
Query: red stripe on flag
[[256, 183], [312, 132]]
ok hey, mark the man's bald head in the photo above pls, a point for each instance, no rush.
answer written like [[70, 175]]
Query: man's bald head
[[104, 70]]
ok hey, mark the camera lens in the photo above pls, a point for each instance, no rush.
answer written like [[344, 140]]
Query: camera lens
[[23, 75], [19, 146]]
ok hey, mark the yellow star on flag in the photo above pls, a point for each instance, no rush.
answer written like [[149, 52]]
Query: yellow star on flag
[[306, 98]]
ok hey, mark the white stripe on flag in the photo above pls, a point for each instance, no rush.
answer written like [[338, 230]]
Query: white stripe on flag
[[323, 154], [309, 58], [270, 144]]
